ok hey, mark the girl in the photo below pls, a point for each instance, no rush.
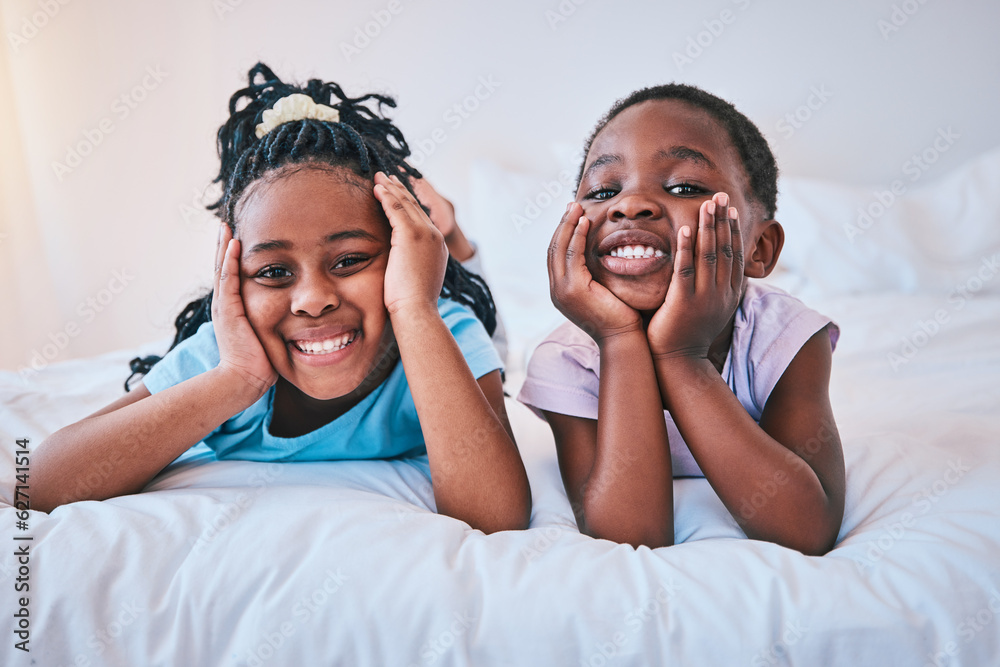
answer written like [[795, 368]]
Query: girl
[[673, 364], [338, 327]]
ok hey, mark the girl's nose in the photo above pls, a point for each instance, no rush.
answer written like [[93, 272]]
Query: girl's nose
[[314, 295], [634, 206]]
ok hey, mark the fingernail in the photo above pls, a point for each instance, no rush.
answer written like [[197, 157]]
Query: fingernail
[[732, 212], [686, 231], [569, 206], [711, 208], [723, 199]]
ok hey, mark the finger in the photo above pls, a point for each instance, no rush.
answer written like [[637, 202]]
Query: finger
[[576, 249], [229, 277], [724, 243], [398, 203], [220, 252], [707, 251], [737, 233], [560, 242], [684, 272]]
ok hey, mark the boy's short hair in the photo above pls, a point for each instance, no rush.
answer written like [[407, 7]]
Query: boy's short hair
[[755, 154]]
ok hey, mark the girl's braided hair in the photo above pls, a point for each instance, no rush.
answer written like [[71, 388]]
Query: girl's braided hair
[[363, 140]]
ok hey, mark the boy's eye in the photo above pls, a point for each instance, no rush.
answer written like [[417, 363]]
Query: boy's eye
[[685, 190], [600, 194]]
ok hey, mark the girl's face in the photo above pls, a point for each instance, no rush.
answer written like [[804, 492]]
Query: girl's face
[[646, 174], [314, 247]]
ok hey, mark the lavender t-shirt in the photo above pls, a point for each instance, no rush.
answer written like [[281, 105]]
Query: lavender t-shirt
[[771, 327]]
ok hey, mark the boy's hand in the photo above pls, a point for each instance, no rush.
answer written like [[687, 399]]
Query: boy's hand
[[584, 301], [417, 256], [706, 286], [240, 350]]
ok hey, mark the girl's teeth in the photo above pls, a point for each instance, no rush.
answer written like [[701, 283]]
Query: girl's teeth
[[324, 346]]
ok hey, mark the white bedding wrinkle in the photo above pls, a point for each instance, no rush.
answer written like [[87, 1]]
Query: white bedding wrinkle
[[241, 563]]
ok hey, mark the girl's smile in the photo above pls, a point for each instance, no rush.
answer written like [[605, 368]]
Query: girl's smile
[[646, 175], [312, 281]]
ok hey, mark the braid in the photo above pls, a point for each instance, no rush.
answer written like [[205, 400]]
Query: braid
[[363, 141]]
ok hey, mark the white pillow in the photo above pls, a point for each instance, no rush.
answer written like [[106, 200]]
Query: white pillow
[[908, 236], [512, 218]]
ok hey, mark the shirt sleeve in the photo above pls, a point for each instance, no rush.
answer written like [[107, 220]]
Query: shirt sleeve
[[471, 336], [562, 376], [193, 356]]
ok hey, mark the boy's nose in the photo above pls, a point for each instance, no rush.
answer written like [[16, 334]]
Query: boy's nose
[[313, 296], [634, 206]]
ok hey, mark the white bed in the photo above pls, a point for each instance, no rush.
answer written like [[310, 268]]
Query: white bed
[[240, 563]]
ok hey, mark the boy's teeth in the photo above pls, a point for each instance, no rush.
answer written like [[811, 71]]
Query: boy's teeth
[[636, 252], [324, 346]]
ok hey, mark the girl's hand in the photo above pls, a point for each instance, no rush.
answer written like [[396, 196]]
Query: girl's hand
[[706, 286], [442, 214], [418, 255], [584, 301], [240, 350]]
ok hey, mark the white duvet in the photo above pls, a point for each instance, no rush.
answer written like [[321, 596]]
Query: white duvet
[[240, 563]]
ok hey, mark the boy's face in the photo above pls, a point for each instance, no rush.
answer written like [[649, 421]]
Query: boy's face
[[646, 175], [314, 246]]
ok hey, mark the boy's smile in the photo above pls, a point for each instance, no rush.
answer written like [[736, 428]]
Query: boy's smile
[[315, 246], [646, 175]]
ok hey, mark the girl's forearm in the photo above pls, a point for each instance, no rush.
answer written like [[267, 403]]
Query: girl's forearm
[[629, 493], [118, 452], [477, 472], [743, 463]]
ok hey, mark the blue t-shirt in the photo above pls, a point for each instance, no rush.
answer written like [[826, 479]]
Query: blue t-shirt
[[382, 425]]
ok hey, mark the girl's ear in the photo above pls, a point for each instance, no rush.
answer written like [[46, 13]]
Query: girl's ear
[[760, 261]]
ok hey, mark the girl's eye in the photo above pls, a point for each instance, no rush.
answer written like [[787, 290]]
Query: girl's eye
[[685, 190], [273, 273], [350, 261], [601, 194]]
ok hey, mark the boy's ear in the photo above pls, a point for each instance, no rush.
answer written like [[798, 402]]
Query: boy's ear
[[760, 259]]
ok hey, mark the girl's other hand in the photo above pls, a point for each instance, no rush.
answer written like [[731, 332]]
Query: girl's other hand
[[442, 214], [418, 255], [584, 301], [706, 287], [240, 350]]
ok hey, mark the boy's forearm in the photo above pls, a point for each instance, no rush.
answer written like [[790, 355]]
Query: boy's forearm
[[739, 459], [629, 493], [477, 472], [118, 453]]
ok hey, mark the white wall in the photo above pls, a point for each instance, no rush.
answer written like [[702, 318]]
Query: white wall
[[129, 205]]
